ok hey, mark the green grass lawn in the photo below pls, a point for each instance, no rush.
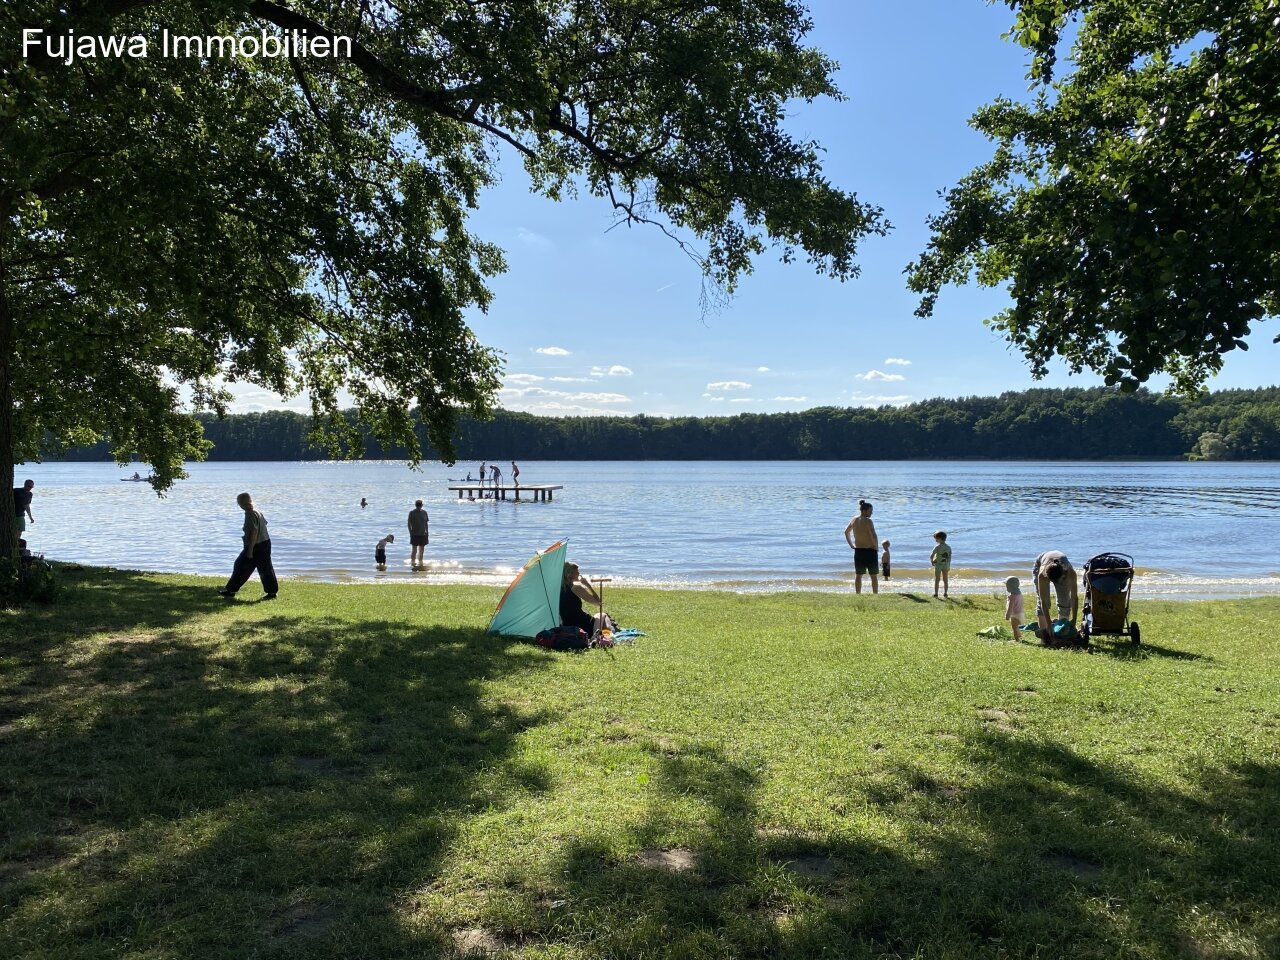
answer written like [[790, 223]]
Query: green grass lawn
[[359, 771]]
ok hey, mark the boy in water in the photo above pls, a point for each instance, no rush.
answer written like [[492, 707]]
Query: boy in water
[[884, 560], [941, 560], [380, 551]]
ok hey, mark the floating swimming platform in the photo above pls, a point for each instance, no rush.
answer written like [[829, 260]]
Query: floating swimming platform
[[487, 491]]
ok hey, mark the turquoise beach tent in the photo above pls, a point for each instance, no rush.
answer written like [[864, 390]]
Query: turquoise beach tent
[[532, 602]]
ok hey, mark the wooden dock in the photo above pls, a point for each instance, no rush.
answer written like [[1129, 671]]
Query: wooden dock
[[487, 491]]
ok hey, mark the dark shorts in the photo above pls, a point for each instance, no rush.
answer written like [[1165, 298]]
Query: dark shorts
[[380, 556], [418, 540], [884, 570], [865, 560]]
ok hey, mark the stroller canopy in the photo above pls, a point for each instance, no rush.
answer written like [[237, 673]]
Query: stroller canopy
[[532, 602]]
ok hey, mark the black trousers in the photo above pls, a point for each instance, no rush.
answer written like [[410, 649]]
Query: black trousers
[[259, 560]]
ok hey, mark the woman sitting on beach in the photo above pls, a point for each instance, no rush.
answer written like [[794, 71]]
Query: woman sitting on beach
[[574, 590]]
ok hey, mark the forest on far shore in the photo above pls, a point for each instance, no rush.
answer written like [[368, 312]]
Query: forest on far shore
[[1041, 424]]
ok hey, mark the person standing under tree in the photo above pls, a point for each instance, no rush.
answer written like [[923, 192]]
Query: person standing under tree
[[419, 535], [22, 506], [255, 555], [860, 534]]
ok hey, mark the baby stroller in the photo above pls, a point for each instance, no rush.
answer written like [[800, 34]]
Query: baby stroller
[[1108, 579]]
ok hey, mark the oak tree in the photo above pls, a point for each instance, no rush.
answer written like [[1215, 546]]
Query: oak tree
[[1132, 207], [175, 224]]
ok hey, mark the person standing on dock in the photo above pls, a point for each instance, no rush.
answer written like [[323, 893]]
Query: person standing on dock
[[497, 479], [484, 475], [860, 534], [515, 473], [418, 535]]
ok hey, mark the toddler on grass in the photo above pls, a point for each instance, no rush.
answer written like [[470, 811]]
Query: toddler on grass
[[1013, 611]]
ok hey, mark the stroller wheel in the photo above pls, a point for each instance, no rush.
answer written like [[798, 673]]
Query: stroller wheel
[[1135, 633]]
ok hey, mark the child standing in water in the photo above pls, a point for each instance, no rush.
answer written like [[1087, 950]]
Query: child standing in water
[[1013, 611], [380, 551], [884, 560], [941, 560]]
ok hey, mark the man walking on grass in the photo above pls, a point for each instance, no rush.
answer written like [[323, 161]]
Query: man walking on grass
[[255, 555]]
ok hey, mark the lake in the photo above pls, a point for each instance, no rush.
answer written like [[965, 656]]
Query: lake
[[1194, 529]]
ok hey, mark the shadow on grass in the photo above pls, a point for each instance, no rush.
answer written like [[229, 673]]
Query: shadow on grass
[[1048, 853], [298, 785], [1121, 648], [240, 786]]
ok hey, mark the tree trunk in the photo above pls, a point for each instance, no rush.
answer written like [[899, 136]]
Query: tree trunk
[[8, 528]]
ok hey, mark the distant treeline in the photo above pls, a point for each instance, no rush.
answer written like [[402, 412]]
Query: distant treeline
[[1039, 424]]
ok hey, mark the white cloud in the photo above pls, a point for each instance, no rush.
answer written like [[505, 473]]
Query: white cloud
[[790, 399], [617, 370], [519, 378], [712, 399], [542, 393], [762, 369], [728, 385], [878, 375], [897, 362], [569, 379], [532, 239], [552, 351], [666, 286], [879, 400], [742, 400], [558, 409]]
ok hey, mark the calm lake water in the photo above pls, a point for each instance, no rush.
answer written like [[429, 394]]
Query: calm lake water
[[1194, 529]]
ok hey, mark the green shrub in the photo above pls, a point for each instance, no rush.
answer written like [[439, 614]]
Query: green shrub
[[24, 581]]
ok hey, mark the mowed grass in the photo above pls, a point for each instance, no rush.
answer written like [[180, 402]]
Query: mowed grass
[[359, 771]]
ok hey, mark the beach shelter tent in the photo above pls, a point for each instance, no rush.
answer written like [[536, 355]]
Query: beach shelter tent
[[532, 602]]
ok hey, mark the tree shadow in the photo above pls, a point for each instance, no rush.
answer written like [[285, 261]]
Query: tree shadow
[[251, 787], [1040, 851]]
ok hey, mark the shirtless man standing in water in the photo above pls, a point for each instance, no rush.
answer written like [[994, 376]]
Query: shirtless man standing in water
[[861, 537]]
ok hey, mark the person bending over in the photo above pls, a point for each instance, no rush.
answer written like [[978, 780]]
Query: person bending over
[[1052, 568]]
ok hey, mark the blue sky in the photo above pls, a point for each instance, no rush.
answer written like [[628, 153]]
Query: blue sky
[[593, 320]]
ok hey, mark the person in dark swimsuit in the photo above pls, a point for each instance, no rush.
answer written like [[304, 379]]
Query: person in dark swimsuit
[[574, 589]]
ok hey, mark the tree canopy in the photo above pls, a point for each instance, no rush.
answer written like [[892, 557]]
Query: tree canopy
[[1132, 208], [172, 224]]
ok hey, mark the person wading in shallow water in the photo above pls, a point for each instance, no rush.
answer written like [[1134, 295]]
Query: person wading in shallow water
[[256, 554], [860, 534], [419, 534]]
